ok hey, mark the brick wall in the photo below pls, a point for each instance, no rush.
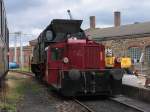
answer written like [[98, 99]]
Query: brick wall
[[120, 48], [27, 53]]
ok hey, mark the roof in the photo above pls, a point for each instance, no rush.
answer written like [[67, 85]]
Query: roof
[[33, 42], [121, 31], [24, 48], [59, 28]]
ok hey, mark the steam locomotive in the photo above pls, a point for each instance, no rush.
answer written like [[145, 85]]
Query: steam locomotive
[[71, 63], [4, 42]]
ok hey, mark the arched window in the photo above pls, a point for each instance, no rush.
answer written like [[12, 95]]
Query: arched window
[[147, 53], [134, 53]]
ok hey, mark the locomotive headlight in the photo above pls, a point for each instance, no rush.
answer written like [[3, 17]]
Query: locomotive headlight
[[66, 60]]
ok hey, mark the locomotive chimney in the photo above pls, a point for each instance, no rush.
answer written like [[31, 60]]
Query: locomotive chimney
[[117, 18], [92, 22]]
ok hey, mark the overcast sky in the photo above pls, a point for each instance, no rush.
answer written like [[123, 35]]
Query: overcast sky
[[32, 16]]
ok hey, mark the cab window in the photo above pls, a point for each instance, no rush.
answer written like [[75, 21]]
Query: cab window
[[56, 54]]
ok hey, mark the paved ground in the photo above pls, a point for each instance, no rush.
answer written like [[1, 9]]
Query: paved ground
[[133, 80]]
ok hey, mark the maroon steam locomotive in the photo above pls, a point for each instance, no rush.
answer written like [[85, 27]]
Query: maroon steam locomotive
[[71, 63]]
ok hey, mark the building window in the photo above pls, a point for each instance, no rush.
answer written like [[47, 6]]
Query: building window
[[12, 59], [134, 53], [19, 59], [147, 54], [26, 58]]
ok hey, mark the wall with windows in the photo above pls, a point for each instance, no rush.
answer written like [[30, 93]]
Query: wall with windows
[[133, 48], [3, 24], [134, 53], [4, 39], [130, 47]]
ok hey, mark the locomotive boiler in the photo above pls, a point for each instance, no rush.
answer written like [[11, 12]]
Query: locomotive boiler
[[71, 63]]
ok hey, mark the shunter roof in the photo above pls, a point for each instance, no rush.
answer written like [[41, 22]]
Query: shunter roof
[[124, 31]]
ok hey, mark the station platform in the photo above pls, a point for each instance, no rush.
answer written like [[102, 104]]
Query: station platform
[[135, 81], [134, 86]]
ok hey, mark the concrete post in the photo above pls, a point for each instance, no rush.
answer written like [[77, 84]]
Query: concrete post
[[21, 52]]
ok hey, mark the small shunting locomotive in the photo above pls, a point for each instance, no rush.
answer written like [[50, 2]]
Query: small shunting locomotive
[[71, 63]]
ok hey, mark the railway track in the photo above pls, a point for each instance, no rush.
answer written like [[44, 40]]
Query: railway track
[[83, 105], [136, 105], [118, 103], [114, 104]]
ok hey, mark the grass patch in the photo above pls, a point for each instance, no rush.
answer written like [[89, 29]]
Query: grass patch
[[35, 88], [17, 88], [24, 69], [14, 94], [12, 108]]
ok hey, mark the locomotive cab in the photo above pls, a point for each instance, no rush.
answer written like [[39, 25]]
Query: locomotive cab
[[72, 68]]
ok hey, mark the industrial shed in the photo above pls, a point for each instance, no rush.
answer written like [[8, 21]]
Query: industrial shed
[[125, 40]]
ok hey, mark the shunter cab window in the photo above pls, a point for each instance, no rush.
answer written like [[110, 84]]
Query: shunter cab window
[[56, 53]]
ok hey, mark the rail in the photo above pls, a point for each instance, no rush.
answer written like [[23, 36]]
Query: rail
[[86, 107], [136, 106], [131, 103]]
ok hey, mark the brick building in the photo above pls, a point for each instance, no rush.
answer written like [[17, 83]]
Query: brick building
[[33, 43], [27, 53], [125, 40]]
